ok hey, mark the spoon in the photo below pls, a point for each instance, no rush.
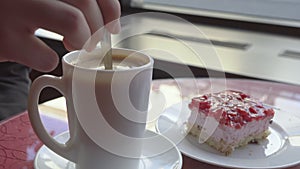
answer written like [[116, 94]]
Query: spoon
[[106, 47]]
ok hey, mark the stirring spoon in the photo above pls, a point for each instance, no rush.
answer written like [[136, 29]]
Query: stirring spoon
[[106, 47]]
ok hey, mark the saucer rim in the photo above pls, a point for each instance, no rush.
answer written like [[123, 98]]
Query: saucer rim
[[177, 165]]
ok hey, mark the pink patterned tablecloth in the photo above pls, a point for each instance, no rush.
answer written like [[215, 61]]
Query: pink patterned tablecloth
[[18, 142]]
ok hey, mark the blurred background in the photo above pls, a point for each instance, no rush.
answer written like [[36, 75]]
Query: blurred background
[[254, 39]]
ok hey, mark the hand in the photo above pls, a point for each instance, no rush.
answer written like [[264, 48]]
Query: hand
[[76, 20]]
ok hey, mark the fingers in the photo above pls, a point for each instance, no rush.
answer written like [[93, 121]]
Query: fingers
[[76, 20], [94, 16], [98, 12], [111, 11], [38, 55], [61, 18], [29, 51], [91, 12]]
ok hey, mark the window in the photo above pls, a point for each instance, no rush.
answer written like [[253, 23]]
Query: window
[[281, 12]]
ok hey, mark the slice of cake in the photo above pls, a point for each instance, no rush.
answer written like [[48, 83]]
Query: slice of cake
[[238, 118]]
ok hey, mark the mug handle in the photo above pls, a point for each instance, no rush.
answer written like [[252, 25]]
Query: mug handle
[[63, 149]]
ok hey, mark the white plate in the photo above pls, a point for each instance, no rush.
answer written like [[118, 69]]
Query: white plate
[[280, 149], [171, 159]]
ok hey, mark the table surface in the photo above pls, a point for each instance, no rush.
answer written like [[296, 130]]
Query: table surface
[[19, 144]]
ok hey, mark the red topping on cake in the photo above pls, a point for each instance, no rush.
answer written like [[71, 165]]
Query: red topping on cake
[[231, 108]]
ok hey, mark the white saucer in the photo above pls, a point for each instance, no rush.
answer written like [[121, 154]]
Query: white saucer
[[281, 148], [171, 159]]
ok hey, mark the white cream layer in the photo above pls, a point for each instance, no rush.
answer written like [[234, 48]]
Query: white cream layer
[[231, 135]]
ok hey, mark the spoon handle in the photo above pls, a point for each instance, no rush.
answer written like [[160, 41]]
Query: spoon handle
[[106, 45]]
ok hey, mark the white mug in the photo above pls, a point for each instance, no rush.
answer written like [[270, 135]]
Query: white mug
[[107, 109]]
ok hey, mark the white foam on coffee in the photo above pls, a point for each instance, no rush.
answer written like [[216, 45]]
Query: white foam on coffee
[[117, 65]]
